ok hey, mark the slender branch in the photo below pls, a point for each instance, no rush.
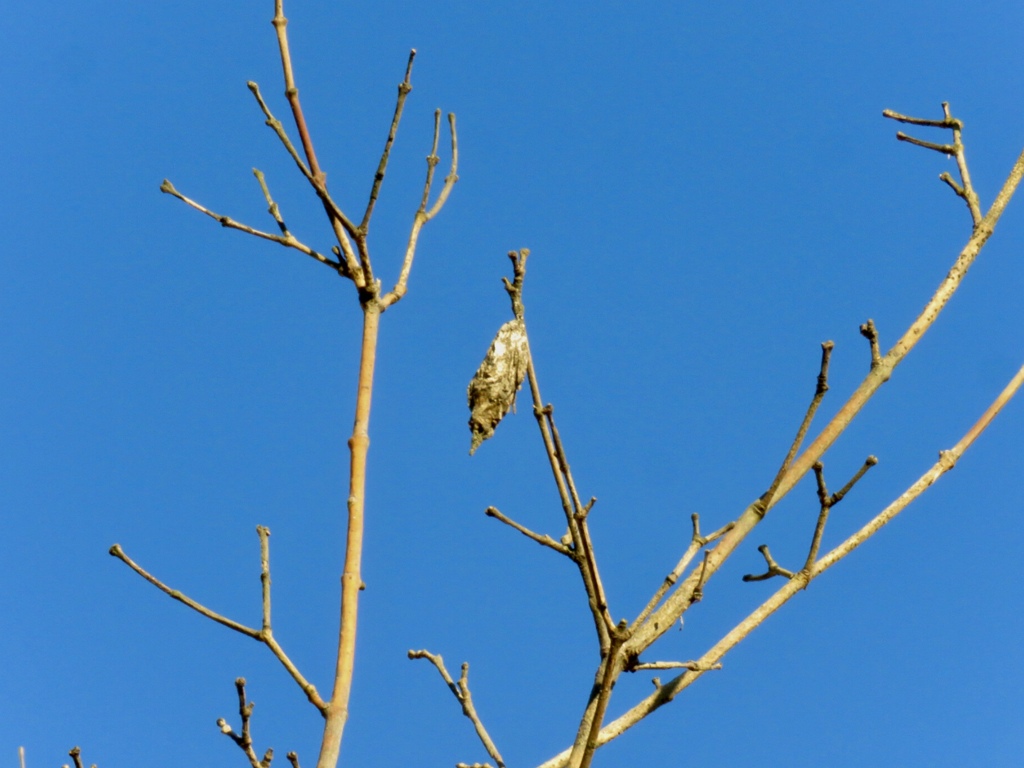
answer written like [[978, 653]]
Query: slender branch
[[343, 228], [956, 149], [546, 540], [75, 754], [119, 553], [869, 332], [593, 717], [946, 122], [450, 179], [946, 149], [461, 692], [696, 543], [585, 545], [286, 239], [681, 598], [667, 692], [819, 394], [351, 578], [828, 501], [244, 739], [774, 569], [272, 207], [278, 127], [422, 215], [264, 635], [693, 666], [403, 92]]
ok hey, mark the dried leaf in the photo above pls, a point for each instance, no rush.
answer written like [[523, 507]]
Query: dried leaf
[[492, 391]]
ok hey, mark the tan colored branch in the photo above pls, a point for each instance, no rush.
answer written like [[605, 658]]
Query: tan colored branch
[[462, 694], [965, 190], [404, 88], [665, 693], [680, 599], [697, 541], [422, 215], [342, 227], [351, 578], [264, 635], [544, 540], [244, 739], [286, 239]]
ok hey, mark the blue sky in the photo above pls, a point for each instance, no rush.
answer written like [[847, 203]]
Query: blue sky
[[709, 191]]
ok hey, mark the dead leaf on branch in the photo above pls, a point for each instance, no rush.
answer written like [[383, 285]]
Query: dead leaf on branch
[[492, 391]]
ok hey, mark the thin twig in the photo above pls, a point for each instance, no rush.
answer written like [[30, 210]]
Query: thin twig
[[697, 541], [272, 207], [403, 92], [668, 691], [965, 190], [680, 599], [946, 149], [119, 553], [264, 635], [819, 393], [693, 666], [462, 694], [869, 332], [341, 225], [546, 540], [774, 569], [422, 215], [244, 739], [827, 501], [287, 239]]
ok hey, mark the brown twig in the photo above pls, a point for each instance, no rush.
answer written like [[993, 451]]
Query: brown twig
[[244, 739], [264, 635], [665, 693], [680, 599], [74, 752], [462, 694], [697, 541], [545, 540], [965, 189], [869, 332], [774, 569], [819, 394], [286, 239], [404, 88], [422, 215]]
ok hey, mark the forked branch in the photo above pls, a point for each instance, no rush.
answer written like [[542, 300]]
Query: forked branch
[[460, 691], [681, 598], [667, 692], [264, 635], [244, 739], [964, 189]]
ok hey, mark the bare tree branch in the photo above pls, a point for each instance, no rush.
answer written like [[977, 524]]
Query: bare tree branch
[[286, 239], [461, 693], [264, 635], [545, 540], [667, 692], [244, 739]]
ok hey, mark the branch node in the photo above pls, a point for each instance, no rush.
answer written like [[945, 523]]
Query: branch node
[[774, 569], [869, 332]]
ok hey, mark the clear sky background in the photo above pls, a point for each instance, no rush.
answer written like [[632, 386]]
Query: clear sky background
[[709, 190]]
